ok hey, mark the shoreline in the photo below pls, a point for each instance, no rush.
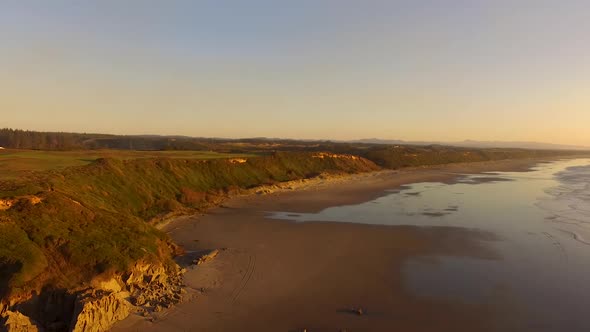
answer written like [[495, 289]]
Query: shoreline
[[363, 187], [280, 275], [372, 182]]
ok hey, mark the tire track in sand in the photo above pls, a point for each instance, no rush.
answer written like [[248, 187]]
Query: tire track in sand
[[245, 278]]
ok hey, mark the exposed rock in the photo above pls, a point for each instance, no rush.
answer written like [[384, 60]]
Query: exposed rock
[[111, 285], [150, 287], [139, 300], [98, 311], [206, 257], [153, 287], [34, 200], [6, 204], [143, 273], [14, 321]]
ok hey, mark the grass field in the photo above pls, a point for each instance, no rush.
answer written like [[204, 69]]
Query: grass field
[[14, 163]]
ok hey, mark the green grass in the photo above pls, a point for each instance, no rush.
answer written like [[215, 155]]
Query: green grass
[[395, 157], [16, 163], [21, 259]]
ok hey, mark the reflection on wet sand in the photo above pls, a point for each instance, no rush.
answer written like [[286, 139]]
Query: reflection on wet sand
[[543, 219]]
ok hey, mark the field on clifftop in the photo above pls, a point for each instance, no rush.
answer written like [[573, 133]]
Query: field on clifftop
[[14, 163]]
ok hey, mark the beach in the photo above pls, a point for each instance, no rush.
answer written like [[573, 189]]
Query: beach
[[274, 275]]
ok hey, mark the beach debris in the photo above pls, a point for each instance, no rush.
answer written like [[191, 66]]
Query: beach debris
[[206, 257], [358, 311]]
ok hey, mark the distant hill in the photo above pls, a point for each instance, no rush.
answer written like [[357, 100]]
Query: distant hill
[[479, 144], [26, 139]]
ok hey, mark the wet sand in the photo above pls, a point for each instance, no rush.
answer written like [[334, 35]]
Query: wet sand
[[282, 276]]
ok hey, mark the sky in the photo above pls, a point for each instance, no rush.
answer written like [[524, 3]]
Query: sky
[[332, 69]]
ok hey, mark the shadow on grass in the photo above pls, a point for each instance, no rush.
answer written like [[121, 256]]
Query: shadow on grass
[[7, 271]]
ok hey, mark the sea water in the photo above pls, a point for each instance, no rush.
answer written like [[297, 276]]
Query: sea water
[[541, 219]]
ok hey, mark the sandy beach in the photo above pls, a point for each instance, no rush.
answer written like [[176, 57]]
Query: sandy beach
[[273, 275]]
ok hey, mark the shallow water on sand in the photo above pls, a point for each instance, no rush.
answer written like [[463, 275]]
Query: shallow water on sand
[[541, 219]]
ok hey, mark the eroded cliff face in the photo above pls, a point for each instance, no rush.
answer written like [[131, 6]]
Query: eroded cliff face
[[17, 322], [145, 289], [99, 310], [153, 288]]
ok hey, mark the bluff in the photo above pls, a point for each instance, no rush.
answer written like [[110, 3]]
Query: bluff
[[78, 246]]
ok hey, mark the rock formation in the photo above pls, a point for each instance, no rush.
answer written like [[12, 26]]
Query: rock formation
[[98, 311], [146, 288], [17, 322], [206, 257]]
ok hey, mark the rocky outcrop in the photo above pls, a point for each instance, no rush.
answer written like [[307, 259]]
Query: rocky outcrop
[[323, 155], [6, 204], [142, 274], [14, 321], [206, 257], [98, 311], [154, 287], [146, 288]]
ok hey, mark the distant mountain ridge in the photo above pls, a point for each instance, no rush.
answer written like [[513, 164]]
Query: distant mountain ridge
[[478, 144]]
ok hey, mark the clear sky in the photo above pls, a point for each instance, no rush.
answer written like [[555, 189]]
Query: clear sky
[[414, 70]]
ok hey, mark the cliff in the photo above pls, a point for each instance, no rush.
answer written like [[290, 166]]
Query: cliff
[[78, 246]]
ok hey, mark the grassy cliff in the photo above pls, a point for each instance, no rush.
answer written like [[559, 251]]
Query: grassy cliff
[[60, 228], [399, 156]]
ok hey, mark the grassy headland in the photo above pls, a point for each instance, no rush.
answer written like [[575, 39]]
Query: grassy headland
[[70, 217], [62, 227]]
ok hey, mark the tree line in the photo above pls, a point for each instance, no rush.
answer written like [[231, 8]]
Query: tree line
[[26, 139], [35, 140]]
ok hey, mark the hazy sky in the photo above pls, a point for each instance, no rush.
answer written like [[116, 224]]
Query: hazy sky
[[414, 70]]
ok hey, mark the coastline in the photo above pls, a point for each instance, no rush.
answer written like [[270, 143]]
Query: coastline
[[362, 187], [278, 275]]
